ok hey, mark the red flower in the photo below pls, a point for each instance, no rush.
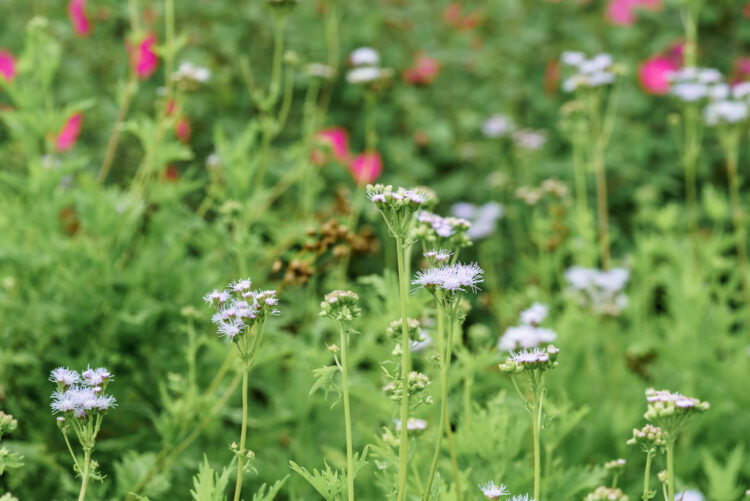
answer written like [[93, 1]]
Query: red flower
[[366, 167], [182, 130], [143, 59], [7, 65], [653, 72], [423, 72], [170, 174], [78, 17], [68, 135], [337, 138]]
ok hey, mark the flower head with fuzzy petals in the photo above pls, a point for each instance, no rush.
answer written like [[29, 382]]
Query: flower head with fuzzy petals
[[493, 491], [452, 278]]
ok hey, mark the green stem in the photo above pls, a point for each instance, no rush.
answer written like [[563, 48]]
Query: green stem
[[732, 153], [670, 468], [454, 460], [601, 206], [85, 473], [72, 454], [690, 160], [536, 422], [240, 457], [347, 419], [114, 138], [405, 367], [646, 477], [445, 363]]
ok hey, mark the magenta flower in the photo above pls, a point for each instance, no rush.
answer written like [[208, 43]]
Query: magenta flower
[[622, 12], [68, 135], [78, 17], [423, 72], [182, 130], [7, 65], [366, 167], [338, 140], [653, 74], [143, 59]]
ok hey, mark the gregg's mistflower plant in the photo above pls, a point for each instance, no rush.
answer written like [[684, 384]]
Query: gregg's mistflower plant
[[440, 231], [616, 467], [671, 412], [606, 494], [447, 284], [81, 403], [493, 491], [398, 208], [483, 218], [528, 334], [532, 364], [587, 72], [366, 62], [651, 440], [413, 424], [601, 291], [496, 126], [241, 315]]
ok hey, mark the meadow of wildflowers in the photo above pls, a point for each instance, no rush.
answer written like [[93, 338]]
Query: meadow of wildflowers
[[409, 251]]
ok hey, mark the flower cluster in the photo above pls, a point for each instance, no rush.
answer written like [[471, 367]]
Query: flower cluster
[[188, 76], [615, 464], [529, 139], [340, 305], [412, 424], [7, 424], [493, 491], [588, 72], [413, 329], [453, 279], [602, 291], [437, 256], [448, 231], [664, 405], [648, 438], [528, 334], [238, 307], [483, 218], [539, 359], [366, 62], [692, 84], [606, 494], [416, 385], [497, 125], [81, 396], [397, 206]]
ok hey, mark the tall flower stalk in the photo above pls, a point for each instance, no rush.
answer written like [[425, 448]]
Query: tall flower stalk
[[343, 307], [397, 208], [447, 284], [531, 365], [596, 113], [81, 404], [241, 315], [650, 438], [671, 412]]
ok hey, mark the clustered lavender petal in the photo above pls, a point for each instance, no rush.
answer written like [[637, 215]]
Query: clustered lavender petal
[[587, 72], [483, 218], [445, 231], [81, 396], [601, 291], [537, 359], [452, 278], [667, 408], [691, 84], [606, 494], [340, 305], [412, 424], [366, 62], [649, 437], [397, 207], [493, 491], [238, 307], [528, 334]]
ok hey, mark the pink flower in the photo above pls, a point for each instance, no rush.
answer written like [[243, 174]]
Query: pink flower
[[182, 130], [338, 140], [68, 135], [366, 167], [143, 58], [653, 74], [423, 72], [741, 72], [622, 12], [7, 65], [77, 13]]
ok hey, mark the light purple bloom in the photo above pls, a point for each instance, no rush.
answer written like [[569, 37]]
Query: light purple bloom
[[493, 491], [451, 278], [64, 376]]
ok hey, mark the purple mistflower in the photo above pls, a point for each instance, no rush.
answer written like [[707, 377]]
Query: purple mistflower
[[452, 278], [534, 315], [104, 402], [230, 329], [439, 256], [96, 377], [241, 285], [216, 297], [64, 376], [493, 491]]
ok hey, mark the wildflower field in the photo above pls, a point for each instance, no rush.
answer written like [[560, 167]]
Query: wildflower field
[[408, 251]]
